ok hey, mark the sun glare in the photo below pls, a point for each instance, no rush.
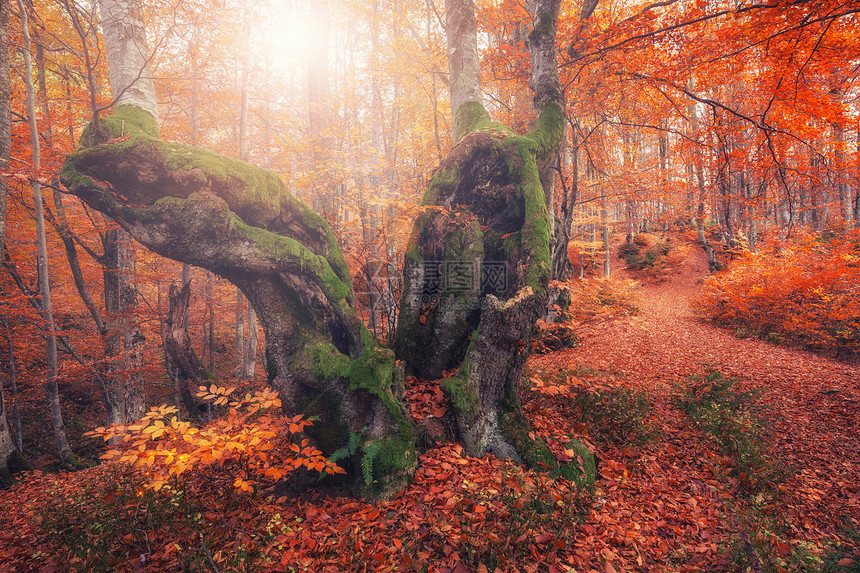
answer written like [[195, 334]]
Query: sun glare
[[288, 33]]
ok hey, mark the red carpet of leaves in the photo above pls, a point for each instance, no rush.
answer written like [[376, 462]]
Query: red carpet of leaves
[[671, 493], [664, 506]]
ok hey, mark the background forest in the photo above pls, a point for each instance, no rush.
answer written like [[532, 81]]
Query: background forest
[[731, 127]]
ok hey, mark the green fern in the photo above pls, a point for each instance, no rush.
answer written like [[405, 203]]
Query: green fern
[[368, 453], [367, 461]]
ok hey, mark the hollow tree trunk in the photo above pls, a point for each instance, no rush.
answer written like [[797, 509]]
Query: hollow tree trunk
[[478, 262], [241, 222]]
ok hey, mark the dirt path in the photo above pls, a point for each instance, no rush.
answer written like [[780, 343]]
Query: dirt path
[[676, 494]]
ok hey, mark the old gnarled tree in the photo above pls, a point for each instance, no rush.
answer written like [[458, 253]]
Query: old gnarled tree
[[486, 209]]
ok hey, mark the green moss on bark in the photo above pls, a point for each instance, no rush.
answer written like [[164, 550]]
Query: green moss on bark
[[549, 130], [469, 117], [125, 121], [534, 236]]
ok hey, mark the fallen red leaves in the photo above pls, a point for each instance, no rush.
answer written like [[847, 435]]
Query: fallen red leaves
[[671, 504]]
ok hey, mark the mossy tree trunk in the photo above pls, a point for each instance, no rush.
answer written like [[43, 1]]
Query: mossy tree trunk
[[241, 222], [478, 263], [477, 269], [476, 272]]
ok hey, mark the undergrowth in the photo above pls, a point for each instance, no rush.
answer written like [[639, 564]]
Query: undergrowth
[[579, 303], [653, 256], [803, 292], [843, 557], [733, 419], [113, 524], [530, 506], [615, 415], [596, 404]]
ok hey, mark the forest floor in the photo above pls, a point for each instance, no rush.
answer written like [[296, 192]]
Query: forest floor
[[690, 505], [769, 485]]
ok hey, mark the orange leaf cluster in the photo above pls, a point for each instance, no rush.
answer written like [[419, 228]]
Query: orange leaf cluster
[[805, 292], [242, 443]]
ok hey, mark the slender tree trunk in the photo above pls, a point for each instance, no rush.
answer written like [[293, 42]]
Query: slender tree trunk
[[177, 346], [127, 54], [113, 392], [249, 353], [464, 74], [52, 395], [843, 178], [604, 222], [7, 444], [132, 338], [131, 84], [317, 92], [250, 361], [239, 332], [13, 387], [210, 313]]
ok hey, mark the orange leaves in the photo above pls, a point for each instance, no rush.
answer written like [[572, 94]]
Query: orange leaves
[[805, 292], [243, 441], [298, 424], [426, 399], [218, 395]]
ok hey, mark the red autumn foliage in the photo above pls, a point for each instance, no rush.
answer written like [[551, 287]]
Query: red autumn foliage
[[804, 291]]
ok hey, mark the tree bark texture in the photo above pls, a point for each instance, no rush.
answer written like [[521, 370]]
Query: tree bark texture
[[476, 272], [241, 222], [464, 73], [7, 445], [478, 262], [52, 397], [177, 346], [127, 54]]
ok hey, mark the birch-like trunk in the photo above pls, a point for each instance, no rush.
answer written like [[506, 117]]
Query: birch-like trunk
[[7, 444], [127, 54], [464, 73], [131, 84], [52, 396]]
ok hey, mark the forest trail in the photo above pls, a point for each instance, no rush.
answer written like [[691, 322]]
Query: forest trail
[[680, 485]]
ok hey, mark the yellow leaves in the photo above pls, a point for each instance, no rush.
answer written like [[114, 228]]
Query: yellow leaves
[[156, 430], [167, 446], [162, 411], [110, 454]]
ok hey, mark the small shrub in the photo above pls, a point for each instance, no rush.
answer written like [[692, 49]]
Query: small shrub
[[653, 257], [582, 302], [245, 447], [616, 415], [732, 418], [105, 523], [844, 557]]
